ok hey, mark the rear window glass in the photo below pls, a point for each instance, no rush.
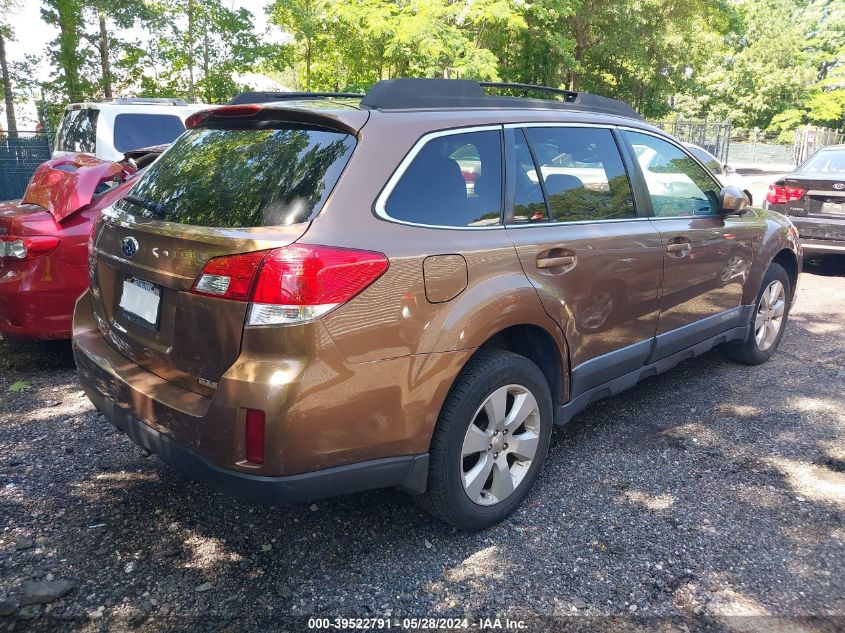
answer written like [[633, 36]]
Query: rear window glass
[[454, 180], [78, 131], [133, 131], [825, 162], [243, 178]]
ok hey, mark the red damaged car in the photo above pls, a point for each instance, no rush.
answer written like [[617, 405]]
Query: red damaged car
[[44, 239]]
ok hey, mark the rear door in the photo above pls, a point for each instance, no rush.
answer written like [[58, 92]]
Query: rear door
[[706, 255], [596, 265], [216, 192]]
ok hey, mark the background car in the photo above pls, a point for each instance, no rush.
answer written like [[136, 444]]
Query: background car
[[813, 196], [726, 174], [109, 129], [44, 239]]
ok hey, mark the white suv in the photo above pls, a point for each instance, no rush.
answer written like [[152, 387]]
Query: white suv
[[109, 129]]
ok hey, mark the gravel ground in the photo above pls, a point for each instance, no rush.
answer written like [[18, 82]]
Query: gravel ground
[[708, 498]]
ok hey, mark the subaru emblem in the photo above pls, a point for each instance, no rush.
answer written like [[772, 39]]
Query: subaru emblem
[[129, 246], [839, 185]]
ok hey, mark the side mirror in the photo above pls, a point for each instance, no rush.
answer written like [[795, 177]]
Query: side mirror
[[728, 169], [732, 200]]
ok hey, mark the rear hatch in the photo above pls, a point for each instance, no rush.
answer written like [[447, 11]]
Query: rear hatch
[[821, 180], [243, 180], [825, 194]]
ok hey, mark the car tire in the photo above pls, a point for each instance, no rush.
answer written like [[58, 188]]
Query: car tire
[[498, 396], [771, 310]]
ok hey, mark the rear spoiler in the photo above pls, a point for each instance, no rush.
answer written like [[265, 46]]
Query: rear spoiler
[[67, 184], [253, 115]]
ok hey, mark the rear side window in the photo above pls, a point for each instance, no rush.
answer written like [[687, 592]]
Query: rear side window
[[244, 177], [78, 131], [133, 131], [454, 180], [583, 176]]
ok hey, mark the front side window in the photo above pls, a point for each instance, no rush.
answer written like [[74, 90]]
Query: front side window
[[677, 185], [134, 131], [454, 180], [78, 131], [244, 177], [583, 175]]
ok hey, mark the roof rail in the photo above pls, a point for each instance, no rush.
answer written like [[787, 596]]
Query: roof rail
[[266, 97], [409, 94], [148, 100]]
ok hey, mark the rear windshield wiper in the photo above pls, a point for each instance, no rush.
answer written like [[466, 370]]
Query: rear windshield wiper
[[149, 205]]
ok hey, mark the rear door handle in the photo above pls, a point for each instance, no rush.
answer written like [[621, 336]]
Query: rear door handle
[[555, 262]]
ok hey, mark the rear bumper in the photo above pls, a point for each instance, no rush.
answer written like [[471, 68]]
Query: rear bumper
[[823, 247], [35, 303], [331, 427], [408, 472], [821, 235]]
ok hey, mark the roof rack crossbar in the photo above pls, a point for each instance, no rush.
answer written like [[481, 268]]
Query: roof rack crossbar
[[266, 97]]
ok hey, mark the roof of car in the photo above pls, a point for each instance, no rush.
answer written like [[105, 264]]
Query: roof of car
[[126, 103], [446, 94]]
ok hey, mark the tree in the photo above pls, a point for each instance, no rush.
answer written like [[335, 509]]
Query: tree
[[204, 46], [8, 96], [122, 14], [6, 33], [306, 20], [65, 51]]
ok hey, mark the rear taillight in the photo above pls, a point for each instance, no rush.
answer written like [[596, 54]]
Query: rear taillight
[[229, 277], [29, 247], [779, 194], [291, 284]]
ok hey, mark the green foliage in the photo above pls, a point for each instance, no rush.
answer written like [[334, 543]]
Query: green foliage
[[772, 64], [784, 66]]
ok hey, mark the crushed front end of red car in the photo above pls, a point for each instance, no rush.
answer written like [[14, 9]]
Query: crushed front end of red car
[[44, 242]]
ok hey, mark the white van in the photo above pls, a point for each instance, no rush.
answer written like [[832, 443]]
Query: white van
[[108, 129]]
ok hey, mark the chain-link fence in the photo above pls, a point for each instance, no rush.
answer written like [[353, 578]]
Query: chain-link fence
[[752, 147], [20, 155], [714, 136], [809, 139]]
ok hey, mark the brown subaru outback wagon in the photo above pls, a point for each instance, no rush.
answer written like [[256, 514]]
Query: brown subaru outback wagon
[[309, 295]]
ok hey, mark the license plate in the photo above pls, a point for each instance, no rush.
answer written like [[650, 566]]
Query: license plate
[[833, 207], [139, 302]]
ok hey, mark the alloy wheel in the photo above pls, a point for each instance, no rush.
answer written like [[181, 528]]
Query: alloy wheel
[[770, 313], [500, 444]]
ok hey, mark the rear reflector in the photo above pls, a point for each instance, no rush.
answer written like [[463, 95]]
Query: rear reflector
[[27, 247], [293, 284], [254, 436], [779, 194]]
